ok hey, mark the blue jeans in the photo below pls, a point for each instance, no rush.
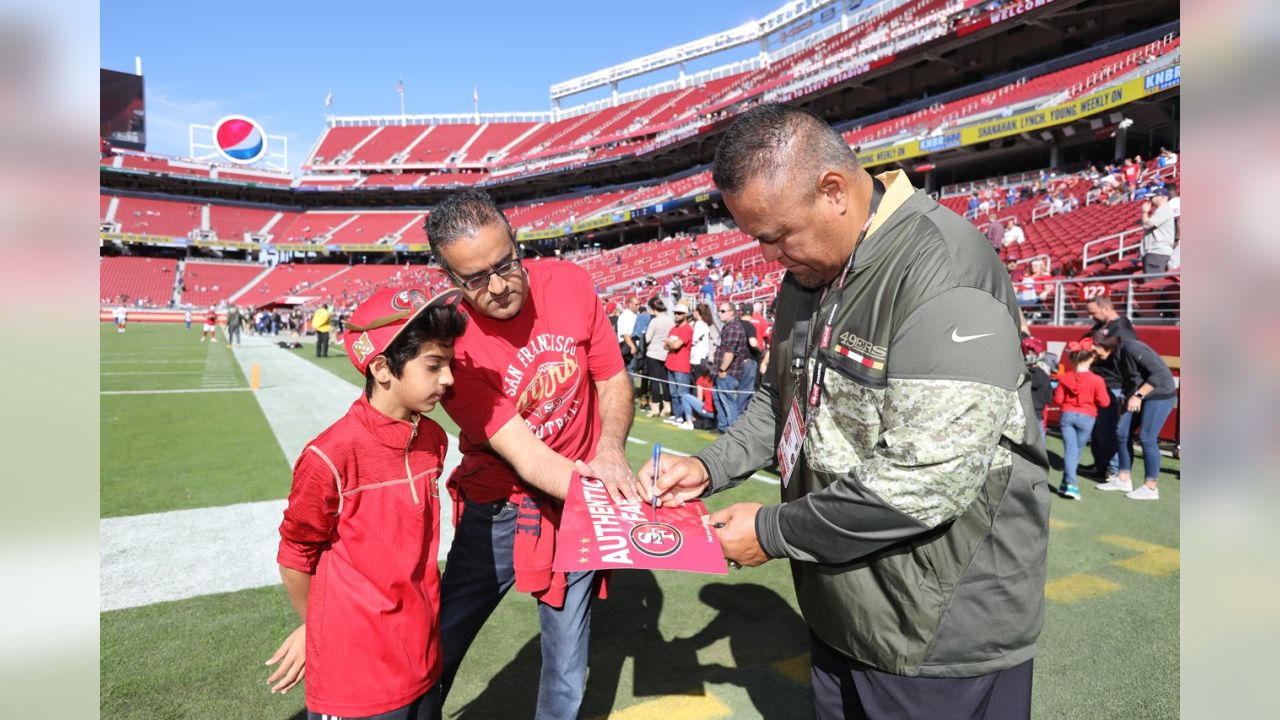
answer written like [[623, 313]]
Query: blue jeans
[[676, 382], [747, 381], [727, 403], [690, 405], [1152, 417], [1075, 436], [476, 576], [1106, 433]]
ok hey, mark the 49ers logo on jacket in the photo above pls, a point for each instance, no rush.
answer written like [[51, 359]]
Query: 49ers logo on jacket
[[543, 380], [656, 539]]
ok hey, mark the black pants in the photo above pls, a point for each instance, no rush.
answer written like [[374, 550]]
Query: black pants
[[845, 688], [322, 344], [657, 370], [426, 707]]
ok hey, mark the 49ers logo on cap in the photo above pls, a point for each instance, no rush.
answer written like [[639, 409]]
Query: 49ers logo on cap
[[656, 539], [408, 300], [362, 347]]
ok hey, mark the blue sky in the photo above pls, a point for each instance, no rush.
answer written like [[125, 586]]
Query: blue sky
[[275, 60]]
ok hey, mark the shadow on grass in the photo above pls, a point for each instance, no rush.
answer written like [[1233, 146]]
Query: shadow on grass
[[761, 628], [763, 632]]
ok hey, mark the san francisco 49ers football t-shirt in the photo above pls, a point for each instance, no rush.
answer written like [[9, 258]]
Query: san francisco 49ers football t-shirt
[[540, 365]]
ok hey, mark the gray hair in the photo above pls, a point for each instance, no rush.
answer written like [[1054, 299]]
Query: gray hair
[[462, 215]]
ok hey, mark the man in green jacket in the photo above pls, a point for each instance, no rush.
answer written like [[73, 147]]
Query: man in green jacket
[[915, 497]]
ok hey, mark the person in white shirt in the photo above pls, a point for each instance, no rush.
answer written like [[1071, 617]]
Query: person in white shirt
[[626, 327], [1013, 233], [121, 317], [705, 337]]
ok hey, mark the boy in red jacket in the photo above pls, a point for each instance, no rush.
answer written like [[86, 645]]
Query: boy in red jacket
[[360, 535], [1079, 393]]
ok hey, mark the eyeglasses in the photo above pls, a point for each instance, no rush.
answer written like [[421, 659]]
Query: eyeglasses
[[480, 280], [726, 309]]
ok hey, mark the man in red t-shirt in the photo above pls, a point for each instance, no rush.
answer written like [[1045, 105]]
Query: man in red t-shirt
[[679, 343], [539, 393]]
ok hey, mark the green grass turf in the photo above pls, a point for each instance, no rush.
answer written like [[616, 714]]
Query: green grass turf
[[733, 642], [184, 450]]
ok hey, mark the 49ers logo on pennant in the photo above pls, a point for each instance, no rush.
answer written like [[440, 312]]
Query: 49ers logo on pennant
[[656, 539]]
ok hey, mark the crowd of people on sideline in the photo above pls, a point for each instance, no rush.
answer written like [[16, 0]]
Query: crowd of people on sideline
[[1106, 384]]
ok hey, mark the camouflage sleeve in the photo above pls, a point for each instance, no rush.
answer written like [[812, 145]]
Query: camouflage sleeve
[[916, 453]]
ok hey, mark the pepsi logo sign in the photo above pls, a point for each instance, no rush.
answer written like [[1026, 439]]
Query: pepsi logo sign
[[239, 139]]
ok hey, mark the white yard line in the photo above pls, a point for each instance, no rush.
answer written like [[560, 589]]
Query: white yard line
[[185, 553], [155, 372], [179, 391], [758, 476]]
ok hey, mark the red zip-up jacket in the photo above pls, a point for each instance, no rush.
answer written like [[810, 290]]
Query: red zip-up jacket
[[364, 517], [1081, 392]]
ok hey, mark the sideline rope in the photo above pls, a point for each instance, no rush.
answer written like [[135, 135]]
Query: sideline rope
[[669, 382]]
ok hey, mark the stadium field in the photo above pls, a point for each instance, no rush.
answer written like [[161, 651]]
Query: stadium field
[[664, 645]]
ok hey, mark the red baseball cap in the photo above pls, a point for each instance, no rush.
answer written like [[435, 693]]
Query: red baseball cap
[[381, 317]]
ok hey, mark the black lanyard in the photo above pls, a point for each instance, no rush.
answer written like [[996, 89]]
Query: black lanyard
[[824, 340]]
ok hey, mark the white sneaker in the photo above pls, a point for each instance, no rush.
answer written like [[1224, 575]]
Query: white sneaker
[[1117, 484], [1144, 492], [686, 425], [670, 421]]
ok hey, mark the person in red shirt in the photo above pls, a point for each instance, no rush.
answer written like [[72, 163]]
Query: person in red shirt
[[361, 532], [1079, 394], [210, 329], [541, 393], [679, 343]]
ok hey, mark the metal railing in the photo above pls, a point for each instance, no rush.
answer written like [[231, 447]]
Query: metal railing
[[1154, 299], [1125, 243]]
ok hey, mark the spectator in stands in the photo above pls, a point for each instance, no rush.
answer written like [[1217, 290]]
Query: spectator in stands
[[1158, 232], [233, 325], [1109, 322], [708, 291], [656, 357], [1130, 173], [626, 327], [994, 231], [1167, 158], [679, 342], [1175, 203], [731, 355], [319, 323], [1013, 234], [1034, 290], [1149, 392], [1080, 393], [539, 392], [971, 208]]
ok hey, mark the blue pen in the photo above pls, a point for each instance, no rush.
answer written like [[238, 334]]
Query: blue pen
[[657, 470]]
